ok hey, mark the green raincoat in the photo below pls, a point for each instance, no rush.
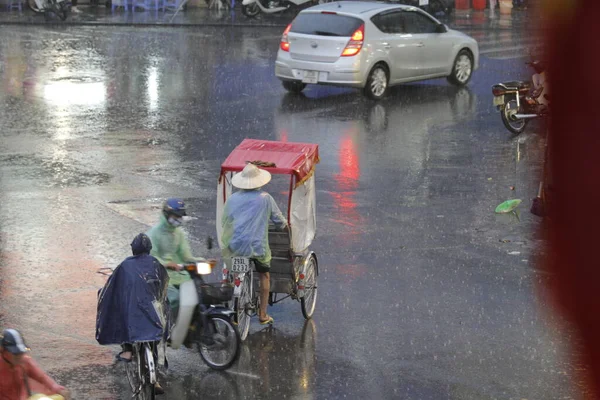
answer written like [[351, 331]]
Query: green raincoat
[[170, 244]]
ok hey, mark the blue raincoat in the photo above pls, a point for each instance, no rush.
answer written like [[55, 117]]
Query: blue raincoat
[[246, 224], [132, 306]]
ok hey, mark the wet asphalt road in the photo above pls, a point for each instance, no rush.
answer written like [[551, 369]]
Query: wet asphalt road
[[424, 292]]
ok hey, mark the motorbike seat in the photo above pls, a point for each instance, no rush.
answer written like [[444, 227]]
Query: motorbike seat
[[515, 85]]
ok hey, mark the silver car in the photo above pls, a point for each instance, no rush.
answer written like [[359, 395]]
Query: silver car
[[371, 46]]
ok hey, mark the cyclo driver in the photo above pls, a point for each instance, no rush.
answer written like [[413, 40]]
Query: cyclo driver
[[245, 225]]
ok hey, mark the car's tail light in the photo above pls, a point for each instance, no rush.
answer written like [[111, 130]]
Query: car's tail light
[[355, 43], [498, 91], [285, 44]]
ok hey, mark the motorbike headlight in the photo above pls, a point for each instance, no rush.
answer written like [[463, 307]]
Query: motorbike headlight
[[203, 268]]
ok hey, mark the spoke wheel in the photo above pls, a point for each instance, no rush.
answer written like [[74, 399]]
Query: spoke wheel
[[219, 344], [138, 376], [516, 126], [33, 6], [243, 308], [251, 10], [309, 300]]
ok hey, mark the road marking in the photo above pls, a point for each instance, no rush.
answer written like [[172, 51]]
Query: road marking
[[502, 49], [511, 57], [246, 374]]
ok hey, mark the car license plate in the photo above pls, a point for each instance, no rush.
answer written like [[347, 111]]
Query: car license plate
[[499, 100], [240, 264], [310, 77]]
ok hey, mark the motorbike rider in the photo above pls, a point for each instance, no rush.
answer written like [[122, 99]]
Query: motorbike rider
[[245, 225], [540, 93], [20, 376], [171, 247], [132, 305]]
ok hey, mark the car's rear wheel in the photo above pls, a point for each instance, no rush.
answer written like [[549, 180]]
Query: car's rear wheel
[[293, 86], [462, 69], [377, 82]]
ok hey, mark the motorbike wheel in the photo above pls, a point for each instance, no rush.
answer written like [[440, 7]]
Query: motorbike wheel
[[309, 300], [222, 348], [33, 6], [251, 10], [509, 109], [241, 308], [58, 10]]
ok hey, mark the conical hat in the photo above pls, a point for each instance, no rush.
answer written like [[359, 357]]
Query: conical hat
[[251, 177]]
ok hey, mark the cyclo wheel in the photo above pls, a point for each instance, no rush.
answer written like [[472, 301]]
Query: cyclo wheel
[[309, 300], [242, 305], [221, 347]]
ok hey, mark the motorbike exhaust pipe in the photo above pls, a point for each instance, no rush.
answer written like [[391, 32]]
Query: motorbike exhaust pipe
[[525, 116]]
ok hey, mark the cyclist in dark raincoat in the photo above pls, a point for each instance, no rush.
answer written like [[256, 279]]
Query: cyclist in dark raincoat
[[133, 305]]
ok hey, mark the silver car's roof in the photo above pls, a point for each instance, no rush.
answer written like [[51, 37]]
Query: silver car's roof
[[364, 9]]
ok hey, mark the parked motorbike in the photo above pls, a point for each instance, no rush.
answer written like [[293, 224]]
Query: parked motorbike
[[60, 8], [251, 8], [516, 104], [432, 6], [204, 319]]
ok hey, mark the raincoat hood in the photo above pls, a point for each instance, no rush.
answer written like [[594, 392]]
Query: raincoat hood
[[141, 244]]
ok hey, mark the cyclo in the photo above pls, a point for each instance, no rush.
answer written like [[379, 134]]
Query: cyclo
[[294, 268]]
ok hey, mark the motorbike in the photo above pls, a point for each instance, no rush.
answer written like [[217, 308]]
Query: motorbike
[[203, 319], [251, 8], [516, 104], [432, 6], [60, 8]]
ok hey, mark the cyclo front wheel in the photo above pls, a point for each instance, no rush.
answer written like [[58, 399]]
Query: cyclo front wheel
[[243, 307], [219, 344]]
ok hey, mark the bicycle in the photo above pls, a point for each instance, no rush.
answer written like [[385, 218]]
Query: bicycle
[[141, 370]]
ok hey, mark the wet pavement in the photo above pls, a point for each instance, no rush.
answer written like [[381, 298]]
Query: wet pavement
[[424, 292]]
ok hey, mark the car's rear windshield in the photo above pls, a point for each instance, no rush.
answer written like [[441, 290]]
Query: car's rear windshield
[[325, 24]]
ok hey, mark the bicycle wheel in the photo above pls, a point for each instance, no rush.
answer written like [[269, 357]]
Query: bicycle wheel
[[138, 374], [309, 300], [222, 348], [33, 6], [243, 307]]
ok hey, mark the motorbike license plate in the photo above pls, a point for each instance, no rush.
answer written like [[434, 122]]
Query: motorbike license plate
[[240, 264], [310, 77], [499, 100]]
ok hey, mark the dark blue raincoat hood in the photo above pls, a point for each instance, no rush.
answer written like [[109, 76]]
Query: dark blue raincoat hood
[[126, 305]]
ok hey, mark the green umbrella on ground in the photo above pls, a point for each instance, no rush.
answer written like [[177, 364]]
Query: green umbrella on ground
[[508, 206]]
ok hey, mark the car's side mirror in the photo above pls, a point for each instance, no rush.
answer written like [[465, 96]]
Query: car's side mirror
[[440, 28]]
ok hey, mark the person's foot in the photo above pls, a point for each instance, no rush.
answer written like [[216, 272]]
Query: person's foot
[[266, 321], [158, 389], [124, 356]]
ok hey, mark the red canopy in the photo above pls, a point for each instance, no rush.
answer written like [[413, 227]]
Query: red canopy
[[289, 158]]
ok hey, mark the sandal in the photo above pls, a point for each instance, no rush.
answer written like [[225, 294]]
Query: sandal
[[125, 360], [267, 321]]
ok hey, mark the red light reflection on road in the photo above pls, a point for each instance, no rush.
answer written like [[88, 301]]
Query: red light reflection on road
[[344, 195]]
